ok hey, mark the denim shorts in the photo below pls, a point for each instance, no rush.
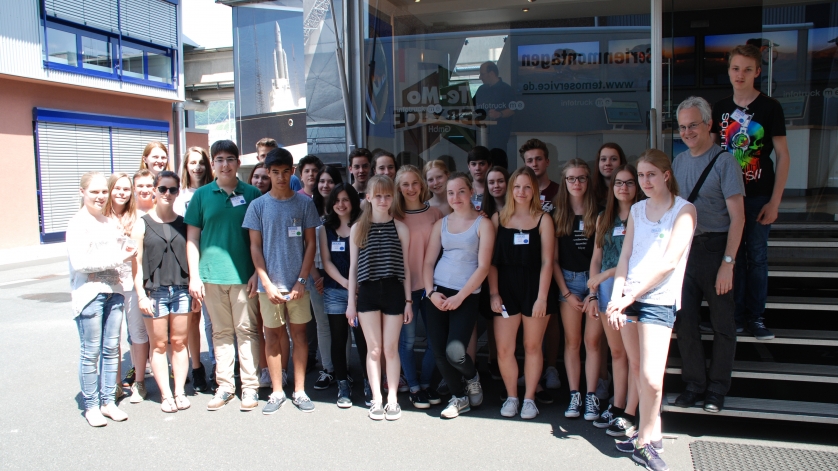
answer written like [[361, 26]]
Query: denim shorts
[[577, 283], [167, 300], [334, 300], [604, 293], [652, 314]]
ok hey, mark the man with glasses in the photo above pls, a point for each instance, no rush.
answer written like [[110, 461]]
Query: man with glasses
[[494, 97], [218, 248], [721, 216]]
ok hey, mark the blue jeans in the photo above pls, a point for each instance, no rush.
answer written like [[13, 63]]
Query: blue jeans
[[407, 338], [99, 324], [208, 333], [750, 279], [167, 300]]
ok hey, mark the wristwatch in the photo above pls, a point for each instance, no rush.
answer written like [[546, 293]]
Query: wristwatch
[[301, 281], [728, 259]]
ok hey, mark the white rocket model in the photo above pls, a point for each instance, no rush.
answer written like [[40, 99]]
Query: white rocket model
[[281, 97]]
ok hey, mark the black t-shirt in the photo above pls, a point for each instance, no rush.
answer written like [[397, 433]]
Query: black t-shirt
[[747, 133], [576, 250], [496, 97], [547, 196]]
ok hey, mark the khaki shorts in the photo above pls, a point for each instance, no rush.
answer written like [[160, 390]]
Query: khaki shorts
[[275, 316]]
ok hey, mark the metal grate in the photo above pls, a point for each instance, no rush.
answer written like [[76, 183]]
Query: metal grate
[[718, 456]]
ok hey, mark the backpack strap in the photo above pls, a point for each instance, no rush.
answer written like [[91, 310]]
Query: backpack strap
[[694, 194]]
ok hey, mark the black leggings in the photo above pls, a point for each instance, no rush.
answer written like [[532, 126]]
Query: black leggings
[[339, 328], [449, 333]]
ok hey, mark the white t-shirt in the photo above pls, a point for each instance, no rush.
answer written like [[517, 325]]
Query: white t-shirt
[[182, 201]]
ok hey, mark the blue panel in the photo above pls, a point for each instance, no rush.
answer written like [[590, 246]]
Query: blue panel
[[89, 119], [53, 237]]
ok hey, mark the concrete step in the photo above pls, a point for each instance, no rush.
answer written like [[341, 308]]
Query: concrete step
[[796, 411]]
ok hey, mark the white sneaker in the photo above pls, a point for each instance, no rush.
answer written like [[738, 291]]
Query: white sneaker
[[510, 407], [551, 378], [138, 392], [265, 379], [111, 411], [95, 418], [455, 407], [529, 411]]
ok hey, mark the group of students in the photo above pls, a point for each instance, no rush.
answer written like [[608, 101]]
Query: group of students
[[603, 251]]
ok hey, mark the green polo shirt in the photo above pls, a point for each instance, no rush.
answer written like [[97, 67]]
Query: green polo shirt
[[225, 245]]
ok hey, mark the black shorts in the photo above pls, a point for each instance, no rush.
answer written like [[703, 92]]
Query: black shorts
[[518, 288], [385, 295]]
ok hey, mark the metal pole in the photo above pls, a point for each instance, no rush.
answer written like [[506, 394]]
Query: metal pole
[[656, 88], [770, 66], [344, 88]]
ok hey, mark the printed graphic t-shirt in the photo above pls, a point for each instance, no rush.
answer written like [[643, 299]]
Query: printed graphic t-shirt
[[747, 133], [547, 196]]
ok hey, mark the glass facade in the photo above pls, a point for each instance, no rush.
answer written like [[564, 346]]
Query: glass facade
[[96, 54], [62, 47], [132, 62]]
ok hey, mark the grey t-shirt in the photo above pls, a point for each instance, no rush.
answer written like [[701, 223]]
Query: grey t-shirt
[[282, 249], [723, 181]]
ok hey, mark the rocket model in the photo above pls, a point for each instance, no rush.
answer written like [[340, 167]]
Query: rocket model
[[281, 97]]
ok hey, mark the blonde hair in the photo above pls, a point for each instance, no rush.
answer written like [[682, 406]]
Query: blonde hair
[[143, 172], [424, 193], [563, 215], [129, 212], [660, 160], [509, 207], [435, 164], [376, 184], [85, 180], [150, 147], [185, 178]]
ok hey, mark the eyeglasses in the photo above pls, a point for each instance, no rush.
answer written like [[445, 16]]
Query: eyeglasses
[[582, 179], [691, 127], [230, 161], [627, 183], [171, 189]]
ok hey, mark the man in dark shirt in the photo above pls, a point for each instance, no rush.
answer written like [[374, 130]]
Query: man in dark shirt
[[494, 97], [535, 156]]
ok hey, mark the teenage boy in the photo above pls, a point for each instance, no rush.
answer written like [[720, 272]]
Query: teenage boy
[[535, 156], [282, 225], [308, 167], [360, 161], [219, 250], [479, 160], [709, 275], [263, 146], [749, 125]]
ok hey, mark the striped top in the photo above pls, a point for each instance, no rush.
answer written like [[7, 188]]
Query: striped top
[[381, 257]]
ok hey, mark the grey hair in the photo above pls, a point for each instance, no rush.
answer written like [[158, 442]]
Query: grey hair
[[699, 103]]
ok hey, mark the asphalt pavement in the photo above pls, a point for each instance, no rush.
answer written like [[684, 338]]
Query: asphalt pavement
[[42, 427]]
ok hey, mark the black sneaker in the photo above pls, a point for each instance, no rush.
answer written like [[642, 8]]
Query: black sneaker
[[344, 394], [543, 397], [627, 446], [129, 379], [759, 331], [420, 399], [433, 397], [494, 370], [620, 427], [649, 458], [325, 380], [368, 394], [199, 379]]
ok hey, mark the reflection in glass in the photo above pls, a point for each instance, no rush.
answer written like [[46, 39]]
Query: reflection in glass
[[96, 54], [159, 68], [132, 62], [62, 47]]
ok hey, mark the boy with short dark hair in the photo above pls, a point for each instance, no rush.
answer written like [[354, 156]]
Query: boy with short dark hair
[[282, 234], [535, 156], [308, 167], [479, 160]]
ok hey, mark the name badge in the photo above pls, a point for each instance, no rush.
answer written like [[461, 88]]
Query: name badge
[[295, 231], [237, 200], [739, 115], [619, 231], [338, 246], [542, 198], [477, 206], [521, 239], [504, 312], [581, 225]]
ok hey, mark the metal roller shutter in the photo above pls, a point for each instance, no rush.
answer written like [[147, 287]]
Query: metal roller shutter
[[101, 14], [154, 21], [65, 153], [128, 146]]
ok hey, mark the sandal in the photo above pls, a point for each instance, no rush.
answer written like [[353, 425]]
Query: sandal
[[182, 402], [167, 405]]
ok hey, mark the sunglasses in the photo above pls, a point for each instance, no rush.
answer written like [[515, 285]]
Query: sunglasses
[[171, 189]]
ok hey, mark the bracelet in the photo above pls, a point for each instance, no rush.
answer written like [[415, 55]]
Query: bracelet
[[593, 296], [566, 295], [408, 301], [430, 294]]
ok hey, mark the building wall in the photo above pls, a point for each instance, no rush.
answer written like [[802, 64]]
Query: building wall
[[198, 138], [18, 97]]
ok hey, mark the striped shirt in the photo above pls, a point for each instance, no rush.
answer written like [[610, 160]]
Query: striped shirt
[[381, 257]]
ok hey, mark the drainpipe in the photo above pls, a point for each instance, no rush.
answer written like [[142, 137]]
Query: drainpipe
[[179, 134]]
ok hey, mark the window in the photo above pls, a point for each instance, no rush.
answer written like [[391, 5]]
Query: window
[[159, 68], [62, 47], [132, 62], [96, 54]]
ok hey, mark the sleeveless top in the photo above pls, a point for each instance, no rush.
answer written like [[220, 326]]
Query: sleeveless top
[[459, 256], [612, 244], [523, 255], [381, 257], [648, 248], [340, 258], [576, 249], [164, 253]]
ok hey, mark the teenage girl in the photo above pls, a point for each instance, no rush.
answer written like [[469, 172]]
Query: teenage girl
[[379, 273], [259, 178], [144, 191], [344, 208], [611, 230], [647, 290], [96, 248], [575, 219], [609, 157], [196, 172], [326, 180], [521, 287], [121, 208], [155, 158], [452, 284], [436, 176], [162, 285], [384, 163], [419, 217]]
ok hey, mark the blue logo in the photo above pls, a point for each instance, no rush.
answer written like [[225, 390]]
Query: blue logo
[[526, 241]]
